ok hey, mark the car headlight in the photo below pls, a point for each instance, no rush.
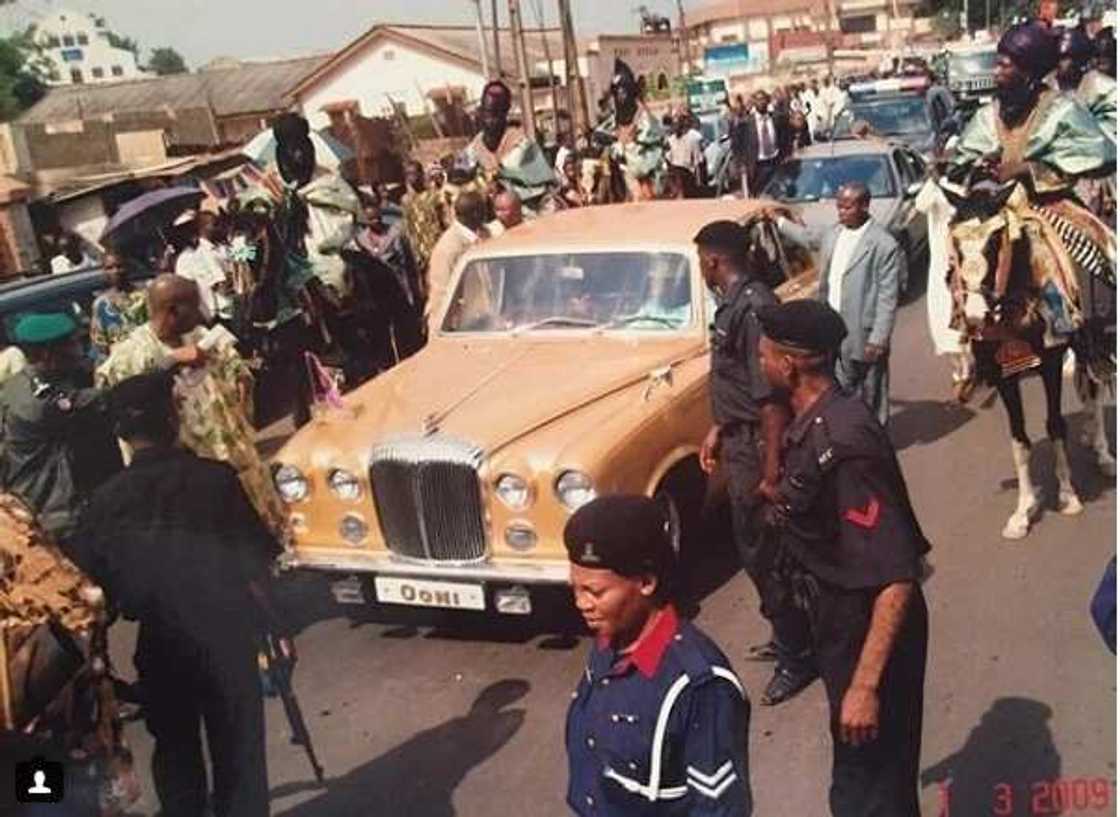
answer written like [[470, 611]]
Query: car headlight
[[291, 484], [574, 489], [344, 485], [513, 491]]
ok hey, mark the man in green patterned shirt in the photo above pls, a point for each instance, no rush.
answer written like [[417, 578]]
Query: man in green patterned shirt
[[212, 398]]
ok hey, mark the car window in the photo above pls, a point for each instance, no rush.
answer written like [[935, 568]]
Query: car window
[[980, 63], [905, 169], [822, 177], [916, 164], [609, 291], [887, 117]]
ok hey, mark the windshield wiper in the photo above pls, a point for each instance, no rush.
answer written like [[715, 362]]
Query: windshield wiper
[[629, 319], [555, 320]]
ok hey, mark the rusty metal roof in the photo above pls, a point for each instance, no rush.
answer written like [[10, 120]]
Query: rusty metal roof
[[249, 87]]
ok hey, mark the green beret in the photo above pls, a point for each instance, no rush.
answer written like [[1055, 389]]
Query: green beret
[[624, 533], [807, 325], [40, 328]]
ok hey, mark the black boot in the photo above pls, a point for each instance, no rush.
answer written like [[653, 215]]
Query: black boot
[[788, 680]]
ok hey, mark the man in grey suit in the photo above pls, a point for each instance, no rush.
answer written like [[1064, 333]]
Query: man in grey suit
[[861, 269]]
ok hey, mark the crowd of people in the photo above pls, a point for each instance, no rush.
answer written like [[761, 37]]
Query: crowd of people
[[136, 453]]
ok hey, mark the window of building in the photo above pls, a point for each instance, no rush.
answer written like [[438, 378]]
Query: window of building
[[662, 82], [729, 38], [863, 24], [53, 41], [67, 40], [76, 75], [118, 71], [83, 39], [389, 55], [98, 73]]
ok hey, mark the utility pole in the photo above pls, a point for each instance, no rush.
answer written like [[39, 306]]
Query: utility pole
[[528, 116], [482, 39], [828, 39], [964, 19], [497, 38], [988, 14], [538, 7], [581, 116], [684, 39]]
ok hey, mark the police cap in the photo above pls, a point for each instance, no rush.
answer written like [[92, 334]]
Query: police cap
[[724, 235], [627, 534], [807, 325], [42, 328]]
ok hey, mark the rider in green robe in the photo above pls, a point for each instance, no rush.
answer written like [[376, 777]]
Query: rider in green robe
[[505, 154]]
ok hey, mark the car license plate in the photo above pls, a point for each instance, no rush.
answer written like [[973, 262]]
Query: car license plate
[[420, 593]]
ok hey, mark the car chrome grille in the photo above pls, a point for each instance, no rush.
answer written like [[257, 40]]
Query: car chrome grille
[[428, 498]]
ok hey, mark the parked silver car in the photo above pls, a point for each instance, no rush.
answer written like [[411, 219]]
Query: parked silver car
[[893, 172]]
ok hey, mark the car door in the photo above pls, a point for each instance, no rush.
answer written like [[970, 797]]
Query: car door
[[908, 224]]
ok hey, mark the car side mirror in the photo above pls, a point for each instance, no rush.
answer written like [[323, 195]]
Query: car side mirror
[[914, 189]]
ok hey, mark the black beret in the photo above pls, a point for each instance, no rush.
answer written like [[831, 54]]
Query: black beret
[[625, 533], [808, 325], [723, 235]]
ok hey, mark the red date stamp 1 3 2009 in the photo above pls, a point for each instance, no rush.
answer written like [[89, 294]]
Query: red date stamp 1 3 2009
[[1043, 797]]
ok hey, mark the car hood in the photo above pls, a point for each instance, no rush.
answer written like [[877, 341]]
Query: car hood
[[823, 212], [490, 392]]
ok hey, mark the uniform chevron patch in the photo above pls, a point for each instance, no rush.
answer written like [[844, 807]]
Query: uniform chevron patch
[[715, 784]]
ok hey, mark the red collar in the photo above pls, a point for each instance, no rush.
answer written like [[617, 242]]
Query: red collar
[[645, 654]]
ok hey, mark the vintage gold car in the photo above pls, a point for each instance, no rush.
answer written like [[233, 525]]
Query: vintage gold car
[[571, 361]]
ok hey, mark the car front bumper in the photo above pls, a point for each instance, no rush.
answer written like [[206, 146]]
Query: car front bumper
[[382, 563]]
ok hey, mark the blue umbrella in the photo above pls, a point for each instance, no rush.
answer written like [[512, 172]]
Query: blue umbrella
[[149, 213]]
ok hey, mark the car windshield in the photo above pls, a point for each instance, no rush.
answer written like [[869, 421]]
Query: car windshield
[[648, 291], [887, 117], [982, 63], [821, 178]]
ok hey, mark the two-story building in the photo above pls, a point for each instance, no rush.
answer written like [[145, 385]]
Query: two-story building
[[79, 49]]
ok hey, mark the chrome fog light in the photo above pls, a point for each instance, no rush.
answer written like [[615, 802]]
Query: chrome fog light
[[353, 528], [521, 536]]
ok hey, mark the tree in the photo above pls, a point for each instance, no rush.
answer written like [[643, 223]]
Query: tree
[[166, 61], [124, 43], [23, 74]]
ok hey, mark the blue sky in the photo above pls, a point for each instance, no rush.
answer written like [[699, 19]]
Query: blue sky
[[203, 29]]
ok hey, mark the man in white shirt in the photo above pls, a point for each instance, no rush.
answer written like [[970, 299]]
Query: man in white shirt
[[204, 263], [685, 158], [468, 228], [861, 271], [508, 213], [832, 101], [72, 258]]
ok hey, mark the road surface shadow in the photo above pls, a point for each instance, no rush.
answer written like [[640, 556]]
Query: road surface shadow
[[1005, 761], [419, 777], [922, 422]]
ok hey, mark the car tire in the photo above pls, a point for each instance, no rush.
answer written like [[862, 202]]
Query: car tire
[[681, 493]]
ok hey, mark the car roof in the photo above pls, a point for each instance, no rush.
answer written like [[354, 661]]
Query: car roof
[[48, 291], [618, 227], [847, 147]]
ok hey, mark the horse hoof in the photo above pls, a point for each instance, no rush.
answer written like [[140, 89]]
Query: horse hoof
[[1017, 528], [1108, 467], [1070, 505]]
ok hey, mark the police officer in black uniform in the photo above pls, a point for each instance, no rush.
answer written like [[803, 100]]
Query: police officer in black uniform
[[177, 546], [658, 722], [851, 550], [56, 438], [746, 440]]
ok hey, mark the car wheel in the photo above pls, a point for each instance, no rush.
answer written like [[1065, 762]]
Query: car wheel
[[681, 494]]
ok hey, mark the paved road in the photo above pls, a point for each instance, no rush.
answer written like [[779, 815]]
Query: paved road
[[468, 720]]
